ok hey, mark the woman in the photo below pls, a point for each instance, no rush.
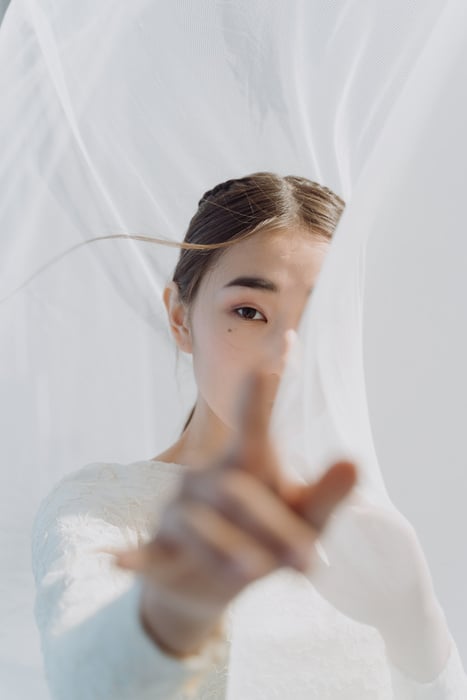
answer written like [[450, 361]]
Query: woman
[[214, 512]]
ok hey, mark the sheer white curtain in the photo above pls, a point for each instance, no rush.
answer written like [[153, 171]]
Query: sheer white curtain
[[3, 7], [115, 118]]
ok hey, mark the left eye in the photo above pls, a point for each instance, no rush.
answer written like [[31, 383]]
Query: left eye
[[251, 312]]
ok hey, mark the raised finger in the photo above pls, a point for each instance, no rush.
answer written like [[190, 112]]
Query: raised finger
[[252, 449]]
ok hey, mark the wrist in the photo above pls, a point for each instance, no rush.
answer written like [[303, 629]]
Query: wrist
[[176, 634]]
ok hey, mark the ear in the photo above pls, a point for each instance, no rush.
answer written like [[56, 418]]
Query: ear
[[178, 317]]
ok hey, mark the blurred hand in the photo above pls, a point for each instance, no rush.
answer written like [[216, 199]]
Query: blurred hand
[[230, 524]]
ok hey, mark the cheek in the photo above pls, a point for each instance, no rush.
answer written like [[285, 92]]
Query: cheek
[[213, 340]]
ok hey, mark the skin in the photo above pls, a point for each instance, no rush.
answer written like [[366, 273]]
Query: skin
[[228, 341]]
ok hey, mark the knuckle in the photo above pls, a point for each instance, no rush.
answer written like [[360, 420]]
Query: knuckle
[[221, 501], [231, 482], [242, 482], [190, 484], [191, 511], [298, 554], [247, 567], [167, 543], [229, 490], [241, 575]]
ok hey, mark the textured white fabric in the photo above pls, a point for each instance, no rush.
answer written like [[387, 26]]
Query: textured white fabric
[[84, 603]]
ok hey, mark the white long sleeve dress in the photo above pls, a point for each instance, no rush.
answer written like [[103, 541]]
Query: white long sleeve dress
[[94, 646]]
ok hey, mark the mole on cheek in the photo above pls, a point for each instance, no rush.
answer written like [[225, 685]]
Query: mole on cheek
[[229, 330]]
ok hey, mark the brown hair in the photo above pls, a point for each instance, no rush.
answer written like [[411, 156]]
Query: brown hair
[[237, 209]]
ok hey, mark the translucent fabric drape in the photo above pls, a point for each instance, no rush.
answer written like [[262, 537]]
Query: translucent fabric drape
[[115, 117]]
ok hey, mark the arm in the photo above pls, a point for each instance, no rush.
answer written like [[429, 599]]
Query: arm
[[423, 660], [451, 684], [433, 648], [88, 611], [399, 598]]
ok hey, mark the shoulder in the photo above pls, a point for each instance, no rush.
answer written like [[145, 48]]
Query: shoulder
[[101, 500], [108, 491], [111, 481]]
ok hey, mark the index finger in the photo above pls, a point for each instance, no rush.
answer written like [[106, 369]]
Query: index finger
[[252, 447], [254, 408]]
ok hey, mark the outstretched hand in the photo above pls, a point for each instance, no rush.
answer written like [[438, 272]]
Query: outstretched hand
[[287, 522], [229, 525]]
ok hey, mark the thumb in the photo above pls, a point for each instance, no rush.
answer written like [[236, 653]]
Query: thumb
[[315, 502]]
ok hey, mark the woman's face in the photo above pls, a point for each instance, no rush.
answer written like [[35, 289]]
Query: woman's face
[[256, 292]]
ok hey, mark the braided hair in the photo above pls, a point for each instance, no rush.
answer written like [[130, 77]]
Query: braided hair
[[240, 207]]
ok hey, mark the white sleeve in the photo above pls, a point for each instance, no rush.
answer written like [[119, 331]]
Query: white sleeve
[[87, 610], [451, 684]]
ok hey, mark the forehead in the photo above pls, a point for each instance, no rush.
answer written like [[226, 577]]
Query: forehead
[[286, 255]]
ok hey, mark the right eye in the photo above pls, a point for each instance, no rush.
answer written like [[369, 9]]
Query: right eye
[[251, 312]]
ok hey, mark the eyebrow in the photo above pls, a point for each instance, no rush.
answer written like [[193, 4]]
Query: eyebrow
[[256, 283]]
